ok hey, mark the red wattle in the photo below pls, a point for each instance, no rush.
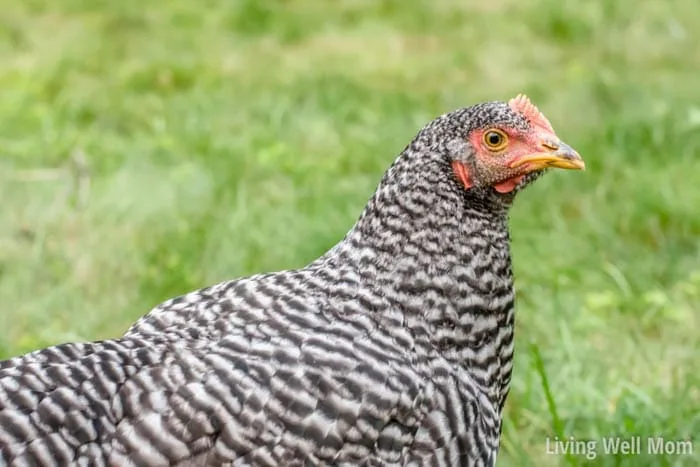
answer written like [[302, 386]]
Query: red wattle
[[508, 185]]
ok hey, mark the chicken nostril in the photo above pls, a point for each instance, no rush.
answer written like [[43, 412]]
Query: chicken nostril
[[551, 145]]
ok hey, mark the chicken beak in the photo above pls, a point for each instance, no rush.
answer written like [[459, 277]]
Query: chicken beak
[[561, 156]]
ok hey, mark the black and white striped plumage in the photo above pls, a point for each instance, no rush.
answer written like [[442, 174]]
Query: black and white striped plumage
[[394, 348]]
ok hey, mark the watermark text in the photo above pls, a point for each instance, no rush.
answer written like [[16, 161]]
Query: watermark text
[[616, 445]]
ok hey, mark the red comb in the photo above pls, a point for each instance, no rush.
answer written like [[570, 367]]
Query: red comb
[[522, 104]]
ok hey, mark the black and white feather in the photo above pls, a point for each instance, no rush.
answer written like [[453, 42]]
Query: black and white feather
[[394, 348]]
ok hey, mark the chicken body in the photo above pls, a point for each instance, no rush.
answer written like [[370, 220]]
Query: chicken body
[[394, 348]]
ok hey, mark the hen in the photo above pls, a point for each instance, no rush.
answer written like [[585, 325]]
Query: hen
[[393, 348]]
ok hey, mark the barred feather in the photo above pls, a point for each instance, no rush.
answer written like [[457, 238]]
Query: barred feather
[[394, 348]]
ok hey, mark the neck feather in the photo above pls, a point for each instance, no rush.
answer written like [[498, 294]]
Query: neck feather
[[441, 257]]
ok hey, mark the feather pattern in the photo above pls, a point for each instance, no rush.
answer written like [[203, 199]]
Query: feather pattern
[[393, 348]]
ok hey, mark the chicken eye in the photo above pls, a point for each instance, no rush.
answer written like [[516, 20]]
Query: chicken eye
[[495, 139]]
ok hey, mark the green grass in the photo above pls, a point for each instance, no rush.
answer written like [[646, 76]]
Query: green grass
[[226, 138]]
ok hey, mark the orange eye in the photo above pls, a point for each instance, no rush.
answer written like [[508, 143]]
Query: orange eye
[[495, 139]]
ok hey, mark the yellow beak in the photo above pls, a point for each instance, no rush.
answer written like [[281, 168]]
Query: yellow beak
[[563, 156]]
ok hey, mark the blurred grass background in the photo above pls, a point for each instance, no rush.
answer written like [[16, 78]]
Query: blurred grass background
[[220, 139]]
